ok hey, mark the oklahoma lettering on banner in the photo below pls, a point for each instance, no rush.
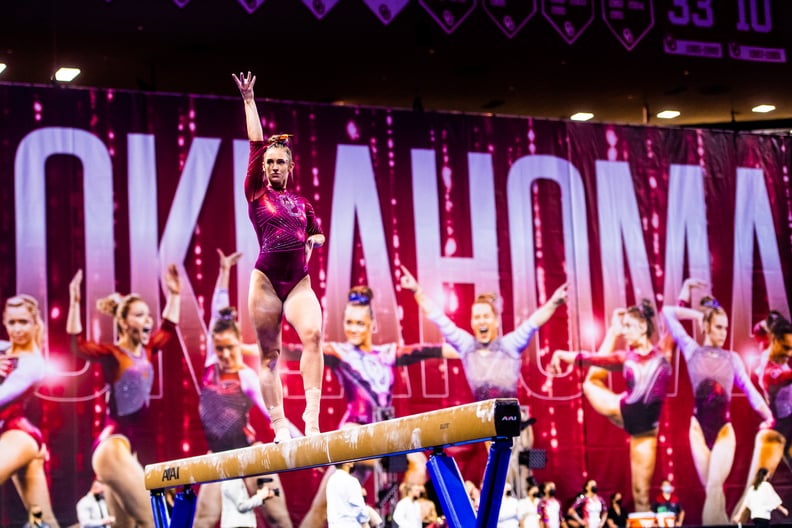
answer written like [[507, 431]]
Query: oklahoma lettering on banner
[[121, 184]]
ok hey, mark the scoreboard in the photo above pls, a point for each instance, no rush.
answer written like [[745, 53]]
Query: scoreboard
[[738, 29]]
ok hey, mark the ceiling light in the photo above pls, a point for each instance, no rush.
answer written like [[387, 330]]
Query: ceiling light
[[763, 108], [66, 74], [581, 116], [668, 114], [2, 67]]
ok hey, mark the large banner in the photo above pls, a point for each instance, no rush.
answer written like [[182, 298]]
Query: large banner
[[122, 184]]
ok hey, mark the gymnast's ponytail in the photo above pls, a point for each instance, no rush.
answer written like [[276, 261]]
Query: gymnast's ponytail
[[227, 321], [778, 325], [711, 307], [645, 312], [117, 307]]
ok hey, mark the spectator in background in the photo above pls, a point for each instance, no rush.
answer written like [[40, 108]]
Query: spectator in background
[[509, 514], [617, 517], [761, 499], [407, 513], [346, 507], [529, 506], [550, 508], [667, 502], [92, 509], [589, 510], [239, 506]]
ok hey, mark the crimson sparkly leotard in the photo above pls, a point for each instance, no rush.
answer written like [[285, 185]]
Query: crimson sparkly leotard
[[283, 222], [713, 371], [777, 384], [647, 378], [223, 408], [130, 378]]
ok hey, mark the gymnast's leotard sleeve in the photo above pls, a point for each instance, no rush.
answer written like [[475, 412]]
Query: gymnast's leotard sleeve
[[29, 371], [462, 341]]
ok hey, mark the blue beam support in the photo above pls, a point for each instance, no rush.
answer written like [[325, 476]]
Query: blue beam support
[[183, 509], [453, 496], [451, 491], [494, 482], [159, 509]]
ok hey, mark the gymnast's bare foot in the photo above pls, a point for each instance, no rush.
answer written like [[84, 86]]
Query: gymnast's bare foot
[[282, 435], [312, 431]]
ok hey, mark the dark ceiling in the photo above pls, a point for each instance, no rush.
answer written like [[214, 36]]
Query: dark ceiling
[[351, 57]]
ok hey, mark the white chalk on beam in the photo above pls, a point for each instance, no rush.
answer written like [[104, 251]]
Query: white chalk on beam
[[473, 422]]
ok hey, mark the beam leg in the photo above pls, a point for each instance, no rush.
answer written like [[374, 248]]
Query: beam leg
[[494, 482], [450, 489], [159, 508], [184, 509]]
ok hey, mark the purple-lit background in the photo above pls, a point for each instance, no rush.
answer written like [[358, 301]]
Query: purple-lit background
[[122, 183], [739, 30]]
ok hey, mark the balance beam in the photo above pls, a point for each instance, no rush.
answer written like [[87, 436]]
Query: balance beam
[[474, 422]]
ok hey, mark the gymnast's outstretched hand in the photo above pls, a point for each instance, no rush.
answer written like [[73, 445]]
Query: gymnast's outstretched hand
[[73, 319], [228, 261], [245, 84], [74, 287], [408, 281], [559, 357], [560, 296], [171, 279], [690, 284]]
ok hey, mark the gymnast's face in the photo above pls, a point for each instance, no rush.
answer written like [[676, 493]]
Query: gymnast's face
[[20, 325], [278, 165], [138, 323], [633, 329], [228, 350], [718, 329], [357, 325], [782, 348], [591, 486], [484, 322]]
